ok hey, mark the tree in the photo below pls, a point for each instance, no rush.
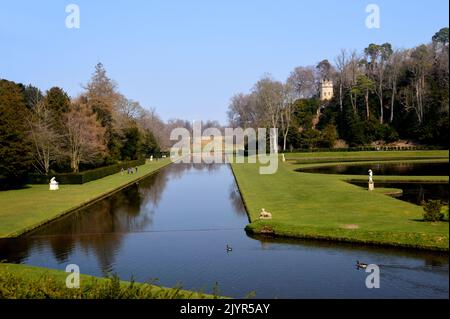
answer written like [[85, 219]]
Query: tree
[[341, 65], [102, 97], [56, 103], [131, 145], [15, 148], [393, 69], [302, 82], [85, 135], [378, 56], [418, 66], [44, 137], [325, 69], [329, 135], [441, 37], [270, 100], [242, 111], [149, 145], [352, 73], [32, 96], [289, 97], [364, 86]]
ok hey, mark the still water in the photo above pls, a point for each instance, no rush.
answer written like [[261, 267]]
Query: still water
[[401, 168], [415, 193], [174, 227]]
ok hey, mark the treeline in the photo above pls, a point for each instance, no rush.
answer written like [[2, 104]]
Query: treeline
[[381, 94], [51, 132]]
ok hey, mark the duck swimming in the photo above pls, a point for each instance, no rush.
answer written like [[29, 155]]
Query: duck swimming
[[361, 265], [229, 248]]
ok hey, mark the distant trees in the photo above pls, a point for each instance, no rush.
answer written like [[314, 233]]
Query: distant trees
[[412, 84], [47, 132]]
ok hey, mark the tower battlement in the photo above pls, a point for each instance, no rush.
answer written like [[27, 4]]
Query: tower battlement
[[326, 90]]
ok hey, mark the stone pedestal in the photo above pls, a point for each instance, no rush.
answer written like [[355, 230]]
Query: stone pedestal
[[283, 158], [371, 186], [54, 187]]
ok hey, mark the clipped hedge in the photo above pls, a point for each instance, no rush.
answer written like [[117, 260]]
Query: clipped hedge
[[86, 176]]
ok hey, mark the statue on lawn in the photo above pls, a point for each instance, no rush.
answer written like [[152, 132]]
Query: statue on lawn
[[53, 184]]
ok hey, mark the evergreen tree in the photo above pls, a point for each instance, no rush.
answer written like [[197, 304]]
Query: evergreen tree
[[131, 145], [14, 144]]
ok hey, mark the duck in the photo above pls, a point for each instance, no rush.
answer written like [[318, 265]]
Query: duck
[[361, 265], [229, 248]]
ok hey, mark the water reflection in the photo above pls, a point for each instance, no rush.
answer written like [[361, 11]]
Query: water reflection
[[380, 169], [415, 193], [100, 228], [175, 226]]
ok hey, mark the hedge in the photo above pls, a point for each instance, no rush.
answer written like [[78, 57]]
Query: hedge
[[84, 177]]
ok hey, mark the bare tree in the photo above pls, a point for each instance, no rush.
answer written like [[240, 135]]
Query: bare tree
[[270, 99], [289, 97], [341, 65], [85, 135], [44, 137], [242, 111], [352, 74], [302, 82], [414, 93], [393, 69], [378, 56]]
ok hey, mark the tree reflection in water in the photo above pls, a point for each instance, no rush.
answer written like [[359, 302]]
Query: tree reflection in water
[[100, 228]]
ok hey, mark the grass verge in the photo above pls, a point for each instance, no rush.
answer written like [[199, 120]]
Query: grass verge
[[24, 209], [29, 282], [322, 206]]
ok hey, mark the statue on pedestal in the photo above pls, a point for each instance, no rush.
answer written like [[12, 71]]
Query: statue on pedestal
[[371, 184]]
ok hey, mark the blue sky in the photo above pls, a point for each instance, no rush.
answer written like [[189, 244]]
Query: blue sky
[[187, 58]]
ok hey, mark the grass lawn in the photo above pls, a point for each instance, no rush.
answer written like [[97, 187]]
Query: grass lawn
[[23, 281], [27, 208], [324, 206], [362, 156]]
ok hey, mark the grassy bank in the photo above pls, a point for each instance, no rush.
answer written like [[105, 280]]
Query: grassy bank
[[28, 282], [24, 209], [326, 207]]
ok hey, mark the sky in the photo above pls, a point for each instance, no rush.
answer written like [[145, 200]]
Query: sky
[[187, 59]]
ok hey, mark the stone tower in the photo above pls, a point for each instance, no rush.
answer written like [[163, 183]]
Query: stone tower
[[326, 90]]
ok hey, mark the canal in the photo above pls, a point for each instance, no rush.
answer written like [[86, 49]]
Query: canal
[[173, 228]]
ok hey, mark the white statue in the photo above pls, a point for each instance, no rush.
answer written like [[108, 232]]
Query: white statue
[[265, 215], [370, 176], [53, 184]]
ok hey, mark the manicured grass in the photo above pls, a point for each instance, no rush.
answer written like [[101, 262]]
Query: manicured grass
[[363, 156], [22, 281], [324, 206], [24, 209]]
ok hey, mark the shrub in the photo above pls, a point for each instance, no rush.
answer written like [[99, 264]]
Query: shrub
[[432, 211]]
